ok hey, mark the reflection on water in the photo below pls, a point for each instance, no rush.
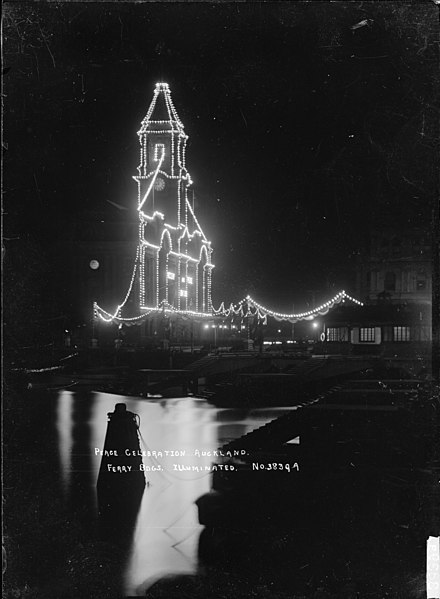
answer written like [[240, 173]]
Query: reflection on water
[[64, 424], [167, 531]]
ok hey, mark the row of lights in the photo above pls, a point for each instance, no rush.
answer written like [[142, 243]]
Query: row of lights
[[173, 119], [260, 311], [165, 88], [143, 133], [153, 179], [339, 297], [106, 316]]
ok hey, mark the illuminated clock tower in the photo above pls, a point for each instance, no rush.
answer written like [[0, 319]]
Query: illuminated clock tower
[[175, 266]]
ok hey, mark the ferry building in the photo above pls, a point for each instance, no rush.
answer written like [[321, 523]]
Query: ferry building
[[175, 257]]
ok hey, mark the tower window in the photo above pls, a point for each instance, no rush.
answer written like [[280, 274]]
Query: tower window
[[183, 293], [159, 152], [170, 275]]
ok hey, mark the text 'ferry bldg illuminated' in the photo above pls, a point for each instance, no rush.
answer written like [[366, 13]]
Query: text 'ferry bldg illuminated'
[[174, 255]]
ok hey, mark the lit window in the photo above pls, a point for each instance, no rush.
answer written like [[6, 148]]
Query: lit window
[[189, 280], [335, 334], [366, 335], [159, 152], [401, 333], [171, 275], [183, 293]]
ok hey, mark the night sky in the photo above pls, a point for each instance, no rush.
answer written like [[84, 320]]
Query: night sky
[[308, 125]]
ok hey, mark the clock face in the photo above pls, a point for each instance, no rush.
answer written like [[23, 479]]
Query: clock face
[[159, 184]]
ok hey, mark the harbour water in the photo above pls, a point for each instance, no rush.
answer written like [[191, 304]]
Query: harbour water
[[178, 439]]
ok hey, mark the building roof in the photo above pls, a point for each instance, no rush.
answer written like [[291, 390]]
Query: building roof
[[161, 113]]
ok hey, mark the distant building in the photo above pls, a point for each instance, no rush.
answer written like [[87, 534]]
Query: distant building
[[395, 282], [398, 267]]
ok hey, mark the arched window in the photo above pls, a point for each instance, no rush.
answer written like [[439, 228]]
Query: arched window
[[164, 274], [203, 281]]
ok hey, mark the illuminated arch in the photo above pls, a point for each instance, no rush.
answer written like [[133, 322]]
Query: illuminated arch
[[202, 275], [163, 267]]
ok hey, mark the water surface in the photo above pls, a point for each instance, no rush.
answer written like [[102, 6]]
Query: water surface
[[166, 535]]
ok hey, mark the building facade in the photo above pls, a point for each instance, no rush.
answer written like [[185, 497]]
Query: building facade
[[398, 267], [394, 279], [175, 257]]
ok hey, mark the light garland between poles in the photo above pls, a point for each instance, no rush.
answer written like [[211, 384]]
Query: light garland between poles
[[246, 308]]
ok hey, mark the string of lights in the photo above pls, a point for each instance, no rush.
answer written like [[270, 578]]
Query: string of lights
[[164, 140], [242, 309], [195, 219], [166, 251], [116, 314], [150, 187], [262, 312]]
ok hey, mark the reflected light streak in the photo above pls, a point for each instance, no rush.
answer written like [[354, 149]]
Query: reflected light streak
[[167, 533], [64, 426]]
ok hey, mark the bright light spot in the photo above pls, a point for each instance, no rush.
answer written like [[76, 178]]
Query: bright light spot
[[315, 325], [94, 264]]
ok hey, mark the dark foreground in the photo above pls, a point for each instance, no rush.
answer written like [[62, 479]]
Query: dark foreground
[[355, 547]]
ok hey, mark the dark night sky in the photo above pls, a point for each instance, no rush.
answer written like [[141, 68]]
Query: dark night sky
[[305, 129]]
